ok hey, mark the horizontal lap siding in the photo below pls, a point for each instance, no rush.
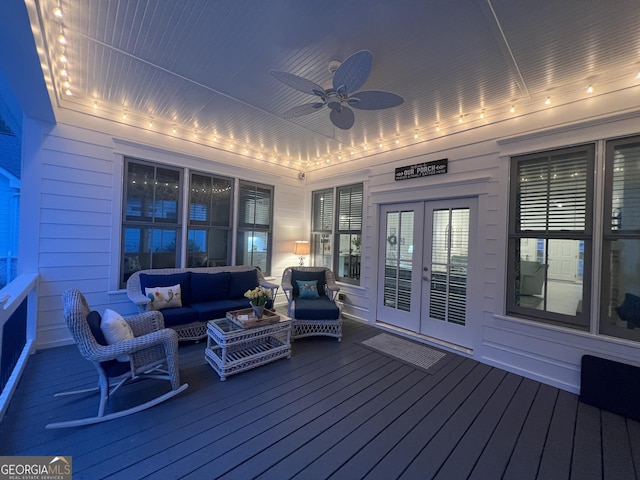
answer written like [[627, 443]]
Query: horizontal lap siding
[[75, 248]]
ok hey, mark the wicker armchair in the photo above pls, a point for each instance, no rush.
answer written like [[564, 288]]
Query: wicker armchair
[[317, 316], [152, 353]]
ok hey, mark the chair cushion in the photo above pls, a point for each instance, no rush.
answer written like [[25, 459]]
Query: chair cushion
[[241, 282], [207, 287], [164, 297], [184, 279], [307, 276], [308, 288], [316, 309], [93, 320]]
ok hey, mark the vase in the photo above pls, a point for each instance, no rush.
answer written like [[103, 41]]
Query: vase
[[258, 310]]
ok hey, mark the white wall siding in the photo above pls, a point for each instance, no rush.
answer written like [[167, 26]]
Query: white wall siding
[[78, 217]]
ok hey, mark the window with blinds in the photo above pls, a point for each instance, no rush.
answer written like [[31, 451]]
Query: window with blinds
[[620, 291], [209, 230], [151, 222], [322, 208], [349, 233], [255, 214], [550, 235]]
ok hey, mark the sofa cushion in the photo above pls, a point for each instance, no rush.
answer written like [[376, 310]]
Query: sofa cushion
[[218, 309], [307, 276], [316, 309], [179, 316], [241, 282], [207, 287], [166, 280], [164, 297]]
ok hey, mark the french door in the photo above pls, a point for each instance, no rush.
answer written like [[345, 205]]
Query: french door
[[424, 267]]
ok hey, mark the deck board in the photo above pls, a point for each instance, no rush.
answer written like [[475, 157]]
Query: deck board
[[333, 410]]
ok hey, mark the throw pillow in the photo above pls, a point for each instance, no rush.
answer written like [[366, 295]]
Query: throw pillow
[[115, 329], [308, 289], [94, 320], [164, 297], [307, 276]]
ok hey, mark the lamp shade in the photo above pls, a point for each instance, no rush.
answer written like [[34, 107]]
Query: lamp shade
[[301, 247]]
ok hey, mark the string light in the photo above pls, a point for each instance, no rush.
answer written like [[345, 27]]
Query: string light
[[547, 101], [590, 89]]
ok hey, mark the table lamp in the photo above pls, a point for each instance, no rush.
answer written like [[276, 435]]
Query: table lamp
[[301, 248]]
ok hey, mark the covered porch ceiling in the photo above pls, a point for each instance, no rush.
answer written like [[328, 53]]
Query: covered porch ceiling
[[200, 69]]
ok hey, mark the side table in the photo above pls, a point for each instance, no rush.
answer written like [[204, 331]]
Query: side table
[[232, 349]]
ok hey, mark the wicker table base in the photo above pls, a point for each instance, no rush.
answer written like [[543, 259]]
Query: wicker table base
[[232, 349]]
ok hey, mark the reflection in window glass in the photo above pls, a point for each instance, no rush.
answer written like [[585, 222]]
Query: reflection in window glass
[[620, 292], [398, 260]]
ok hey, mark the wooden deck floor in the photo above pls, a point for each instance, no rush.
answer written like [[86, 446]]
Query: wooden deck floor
[[334, 410]]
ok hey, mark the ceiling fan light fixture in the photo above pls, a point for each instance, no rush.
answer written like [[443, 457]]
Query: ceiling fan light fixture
[[348, 77]]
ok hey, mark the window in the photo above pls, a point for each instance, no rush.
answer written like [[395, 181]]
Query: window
[[255, 213], [550, 236], [209, 231], [151, 227], [349, 233], [336, 226], [620, 291], [322, 228]]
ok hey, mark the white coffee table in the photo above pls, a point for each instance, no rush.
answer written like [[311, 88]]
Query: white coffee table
[[232, 349]]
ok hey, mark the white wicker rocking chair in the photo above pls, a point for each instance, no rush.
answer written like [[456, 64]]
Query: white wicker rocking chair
[[153, 353], [321, 317]]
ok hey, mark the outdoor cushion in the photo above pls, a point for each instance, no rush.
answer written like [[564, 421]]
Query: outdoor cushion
[[164, 297], [207, 287], [115, 330], [184, 279], [316, 309], [241, 282], [179, 316], [218, 309], [308, 288], [307, 276], [94, 319]]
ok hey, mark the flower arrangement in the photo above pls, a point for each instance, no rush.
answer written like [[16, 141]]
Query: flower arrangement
[[258, 296]]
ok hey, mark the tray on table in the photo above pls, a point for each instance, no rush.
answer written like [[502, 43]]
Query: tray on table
[[245, 318]]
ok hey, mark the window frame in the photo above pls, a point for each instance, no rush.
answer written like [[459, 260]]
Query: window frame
[[153, 223], [210, 226], [266, 229], [514, 234]]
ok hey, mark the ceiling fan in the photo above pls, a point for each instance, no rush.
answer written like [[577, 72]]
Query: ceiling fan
[[348, 77]]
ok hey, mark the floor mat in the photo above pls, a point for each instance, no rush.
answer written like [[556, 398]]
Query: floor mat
[[410, 352]]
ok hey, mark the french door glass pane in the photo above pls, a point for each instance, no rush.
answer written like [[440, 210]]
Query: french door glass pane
[[398, 260], [449, 254]]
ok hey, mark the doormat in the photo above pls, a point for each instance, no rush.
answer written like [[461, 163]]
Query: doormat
[[410, 352]]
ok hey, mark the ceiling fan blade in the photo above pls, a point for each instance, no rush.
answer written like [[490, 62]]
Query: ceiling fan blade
[[301, 110], [299, 83], [353, 72], [342, 118], [375, 100]]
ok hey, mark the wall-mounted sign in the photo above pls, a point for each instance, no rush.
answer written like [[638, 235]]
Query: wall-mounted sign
[[422, 169]]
